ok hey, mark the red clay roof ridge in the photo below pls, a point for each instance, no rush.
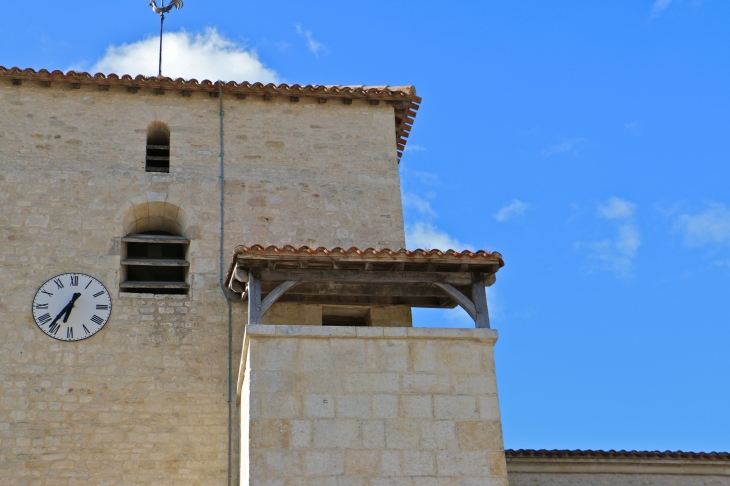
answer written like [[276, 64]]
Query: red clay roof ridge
[[71, 76], [612, 454], [352, 251]]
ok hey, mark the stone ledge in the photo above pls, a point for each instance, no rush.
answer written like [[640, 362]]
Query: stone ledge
[[617, 466], [370, 332], [134, 295]]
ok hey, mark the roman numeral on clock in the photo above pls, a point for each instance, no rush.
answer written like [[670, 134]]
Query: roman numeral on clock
[[45, 317], [41, 306], [102, 307], [57, 281], [47, 293], [74, 280], [85, 329], [69, 333], [54, 328], [97, 319], [101, 292]]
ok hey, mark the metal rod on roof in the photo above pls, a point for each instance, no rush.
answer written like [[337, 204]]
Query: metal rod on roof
[[162, 10], [159, 66]]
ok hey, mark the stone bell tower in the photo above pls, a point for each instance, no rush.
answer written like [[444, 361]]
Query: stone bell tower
[[256, 328]]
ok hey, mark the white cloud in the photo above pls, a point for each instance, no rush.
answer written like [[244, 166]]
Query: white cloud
[[633, 127], [201, 56], [568, 145], [514, 209], [617, 208], [414, 148], [411, 200], [615, 254], [313, 45], [659, 6], [426, 178], [711, 226], [425, 236]]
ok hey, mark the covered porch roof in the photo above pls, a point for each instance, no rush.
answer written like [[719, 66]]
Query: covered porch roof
[[369, 277]]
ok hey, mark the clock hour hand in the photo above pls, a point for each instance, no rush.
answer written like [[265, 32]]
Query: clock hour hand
[[70, 306], [66, 310]]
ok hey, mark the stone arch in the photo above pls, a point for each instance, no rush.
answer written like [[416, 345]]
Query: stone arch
[[156, 216], [158, 133]]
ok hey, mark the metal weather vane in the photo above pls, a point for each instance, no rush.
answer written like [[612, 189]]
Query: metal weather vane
[[162, 10]]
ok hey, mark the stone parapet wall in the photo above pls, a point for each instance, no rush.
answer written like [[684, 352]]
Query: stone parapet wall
[[370, 406]]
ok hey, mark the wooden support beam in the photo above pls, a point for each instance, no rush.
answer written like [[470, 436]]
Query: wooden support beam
[[271, 265], [275, 294], [462, 299], [303, 263], [254, 296], [355, 276], [479, 298], [360, 289]]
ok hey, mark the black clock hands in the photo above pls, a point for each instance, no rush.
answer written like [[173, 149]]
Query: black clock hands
[[66, 311]]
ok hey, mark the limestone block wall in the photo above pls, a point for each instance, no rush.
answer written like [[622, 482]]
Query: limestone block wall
[[370, 406], [144, 401]]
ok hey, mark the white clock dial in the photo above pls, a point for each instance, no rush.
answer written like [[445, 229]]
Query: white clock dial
[[72, 306]]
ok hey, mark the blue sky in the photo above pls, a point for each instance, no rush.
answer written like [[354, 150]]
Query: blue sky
[[586, 141]]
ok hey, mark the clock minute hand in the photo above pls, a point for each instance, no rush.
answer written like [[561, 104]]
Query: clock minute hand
[[63, 311], [70, 306]]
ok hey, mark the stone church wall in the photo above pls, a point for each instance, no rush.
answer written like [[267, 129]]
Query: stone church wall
[[371, 407], [144, 401]]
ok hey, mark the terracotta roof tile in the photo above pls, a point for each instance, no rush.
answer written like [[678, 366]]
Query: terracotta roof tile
[[382, 253], [404, 97], [590, 454]]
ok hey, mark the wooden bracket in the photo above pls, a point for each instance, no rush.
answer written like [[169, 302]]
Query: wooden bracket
[[476, 307], [460, 298], [275, 294]]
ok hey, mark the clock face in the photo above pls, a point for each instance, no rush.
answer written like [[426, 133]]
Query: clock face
[[72, 306]]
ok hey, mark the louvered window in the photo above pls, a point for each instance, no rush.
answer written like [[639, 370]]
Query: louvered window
[[158, 147], [155, 263]]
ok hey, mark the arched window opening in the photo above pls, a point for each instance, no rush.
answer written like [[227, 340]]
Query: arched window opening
[[158, 147], [155, 263]]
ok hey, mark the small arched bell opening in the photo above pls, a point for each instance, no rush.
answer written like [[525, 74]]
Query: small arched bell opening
[[158, 147], [155, 250]]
